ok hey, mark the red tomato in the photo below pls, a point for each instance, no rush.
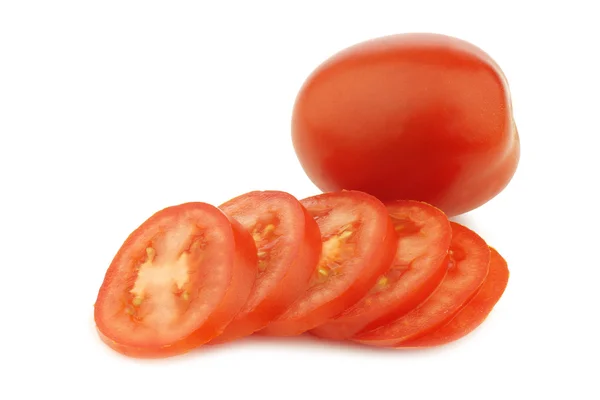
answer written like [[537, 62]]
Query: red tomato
[[176, 282], [289, 246], [414, 116], [470, 259], [359, 243], [419, 266], [475, 312]]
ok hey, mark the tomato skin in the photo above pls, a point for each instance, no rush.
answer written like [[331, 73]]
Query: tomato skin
[[322, 302], [240, 266], [421, 262], [298, 248], [413, 116], [471, 257], [475, 312]]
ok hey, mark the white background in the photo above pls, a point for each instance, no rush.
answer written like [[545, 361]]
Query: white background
[[111, 110]]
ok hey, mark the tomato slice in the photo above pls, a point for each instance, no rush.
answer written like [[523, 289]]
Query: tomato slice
[[469, 263], [176, 282], [359, 244], [475, 312], [289, 246], [420, 264]]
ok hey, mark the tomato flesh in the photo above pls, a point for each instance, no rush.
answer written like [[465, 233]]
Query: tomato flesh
[[358, 245], [469, 265], [475, 312], [413, 116], [419, 266], [289, 246], [176, 282]]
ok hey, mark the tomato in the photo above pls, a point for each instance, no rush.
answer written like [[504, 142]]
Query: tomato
[[419, 266], [470, 258], [475, 312], [176, 282], [359, 244], [289, 245], [413, 116]]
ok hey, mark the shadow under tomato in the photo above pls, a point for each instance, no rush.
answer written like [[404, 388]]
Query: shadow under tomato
[[310, 342], [305, 342]]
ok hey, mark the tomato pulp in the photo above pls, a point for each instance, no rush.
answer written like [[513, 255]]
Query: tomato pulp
[[289, 245], [419, 266], [176, 282], [358, 245], [470, 259], [413, 116]]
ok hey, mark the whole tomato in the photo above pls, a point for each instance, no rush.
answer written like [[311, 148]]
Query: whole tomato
[[412, 116]]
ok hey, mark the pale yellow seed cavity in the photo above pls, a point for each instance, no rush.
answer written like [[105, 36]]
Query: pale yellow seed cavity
[[185, 296], [345, 235], [137, 301], [195, 246], [331, 247], [383, 281], [262, 254], [344, 228], [259, 235], [150, 253], [323, 271], [157, 280]]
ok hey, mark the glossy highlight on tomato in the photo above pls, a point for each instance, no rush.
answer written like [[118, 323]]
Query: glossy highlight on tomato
[[176, 282], [415, 116]]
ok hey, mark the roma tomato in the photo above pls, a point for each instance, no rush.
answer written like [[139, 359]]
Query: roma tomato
[[359, 244], [470, 259], [176, 282], [475, 312], [414, 116], [419, 266], [289, 245]]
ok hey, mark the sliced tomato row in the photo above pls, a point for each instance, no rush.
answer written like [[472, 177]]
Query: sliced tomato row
[[341, 266]]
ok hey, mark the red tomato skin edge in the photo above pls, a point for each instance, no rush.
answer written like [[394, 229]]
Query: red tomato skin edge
[[479, 308], [360, 338], [382, 259], [245, 269], [346, 328], [291, 287]]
